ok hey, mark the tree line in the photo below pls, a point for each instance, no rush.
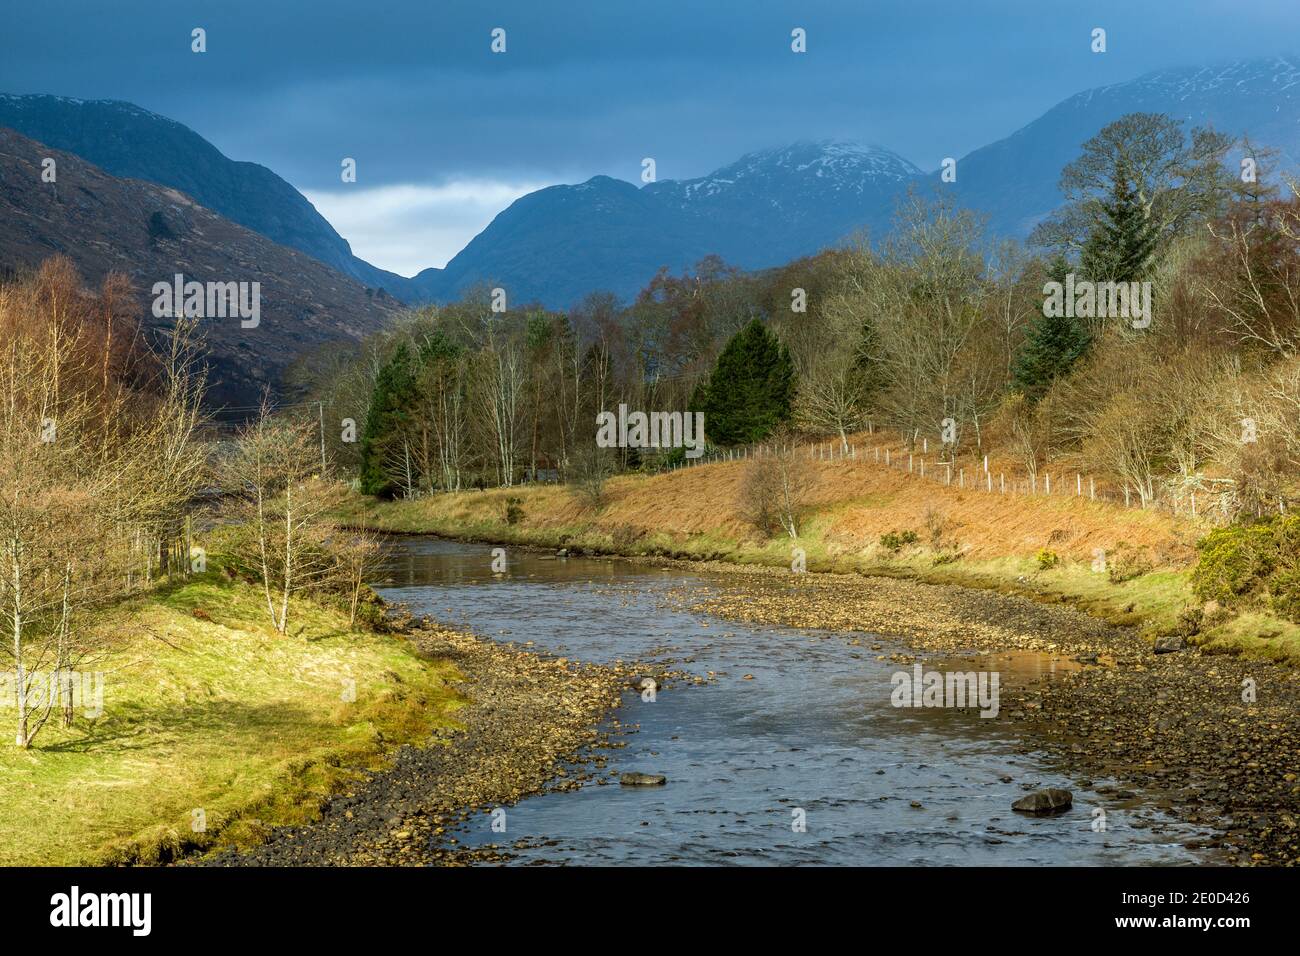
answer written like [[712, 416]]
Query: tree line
[[937, 329]]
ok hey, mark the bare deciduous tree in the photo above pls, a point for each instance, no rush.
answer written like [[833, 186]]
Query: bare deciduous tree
[[284, 502]]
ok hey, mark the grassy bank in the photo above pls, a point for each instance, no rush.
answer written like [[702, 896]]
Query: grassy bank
[[206, 708], [1042, 547]]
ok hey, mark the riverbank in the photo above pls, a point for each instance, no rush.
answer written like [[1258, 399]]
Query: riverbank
[[1128, 567], [532, 723], [214, 729]]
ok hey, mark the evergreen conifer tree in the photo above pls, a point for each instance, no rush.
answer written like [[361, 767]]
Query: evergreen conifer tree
[[751, 389]]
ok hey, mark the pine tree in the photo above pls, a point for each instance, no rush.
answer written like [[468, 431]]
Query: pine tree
[[1052, 345], [392, 396], [1121, 245], [751, 389]]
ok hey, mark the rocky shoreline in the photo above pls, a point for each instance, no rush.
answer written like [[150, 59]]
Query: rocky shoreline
[[1213, 740], [533, 723]]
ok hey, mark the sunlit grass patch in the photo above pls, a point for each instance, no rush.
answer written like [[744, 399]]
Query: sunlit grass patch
[[206, 708]]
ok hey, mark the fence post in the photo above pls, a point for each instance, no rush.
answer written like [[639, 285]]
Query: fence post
[[1002, 481], [1092, 488], [1078, 484]]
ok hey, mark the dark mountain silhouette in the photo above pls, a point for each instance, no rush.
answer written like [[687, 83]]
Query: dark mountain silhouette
[[150, 233], [127, 141]]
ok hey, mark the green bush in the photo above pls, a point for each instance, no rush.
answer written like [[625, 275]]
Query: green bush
[[1284, 594], [1048, 559], [1236, 562], [894, 541]]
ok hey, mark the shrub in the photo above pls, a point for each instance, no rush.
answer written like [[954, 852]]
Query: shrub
[[895, 541], [1234, 562], [936, 524], [1126, 563], [1047, 559], [514, 510], [1284, 594]]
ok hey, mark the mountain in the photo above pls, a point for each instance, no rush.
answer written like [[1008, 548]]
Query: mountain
[[1014, 180], [150, 232], [559, 243], [127, 141]]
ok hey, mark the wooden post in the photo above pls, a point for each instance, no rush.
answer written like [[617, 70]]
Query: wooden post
[[1002, 480], [1078, 483], [1092, 488], [321, 407]]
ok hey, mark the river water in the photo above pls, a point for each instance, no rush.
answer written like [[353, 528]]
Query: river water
[[812, 736]]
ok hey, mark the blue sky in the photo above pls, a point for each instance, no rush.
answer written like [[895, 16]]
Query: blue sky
[[446, 133]]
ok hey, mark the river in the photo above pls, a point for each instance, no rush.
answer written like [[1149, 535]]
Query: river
[[796, 726]]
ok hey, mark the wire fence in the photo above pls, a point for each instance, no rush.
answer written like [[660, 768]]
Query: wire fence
[[1201, 498]]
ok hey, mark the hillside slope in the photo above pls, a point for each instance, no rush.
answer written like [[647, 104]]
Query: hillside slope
[[129, 142], [150, 233]]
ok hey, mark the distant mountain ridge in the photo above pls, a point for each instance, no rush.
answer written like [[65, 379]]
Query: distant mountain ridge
[[127, 141], [1014, 180], [150, 233], [775, 205], [557, 244]]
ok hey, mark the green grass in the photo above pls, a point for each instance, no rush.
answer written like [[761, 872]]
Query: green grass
[[221, 715]]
